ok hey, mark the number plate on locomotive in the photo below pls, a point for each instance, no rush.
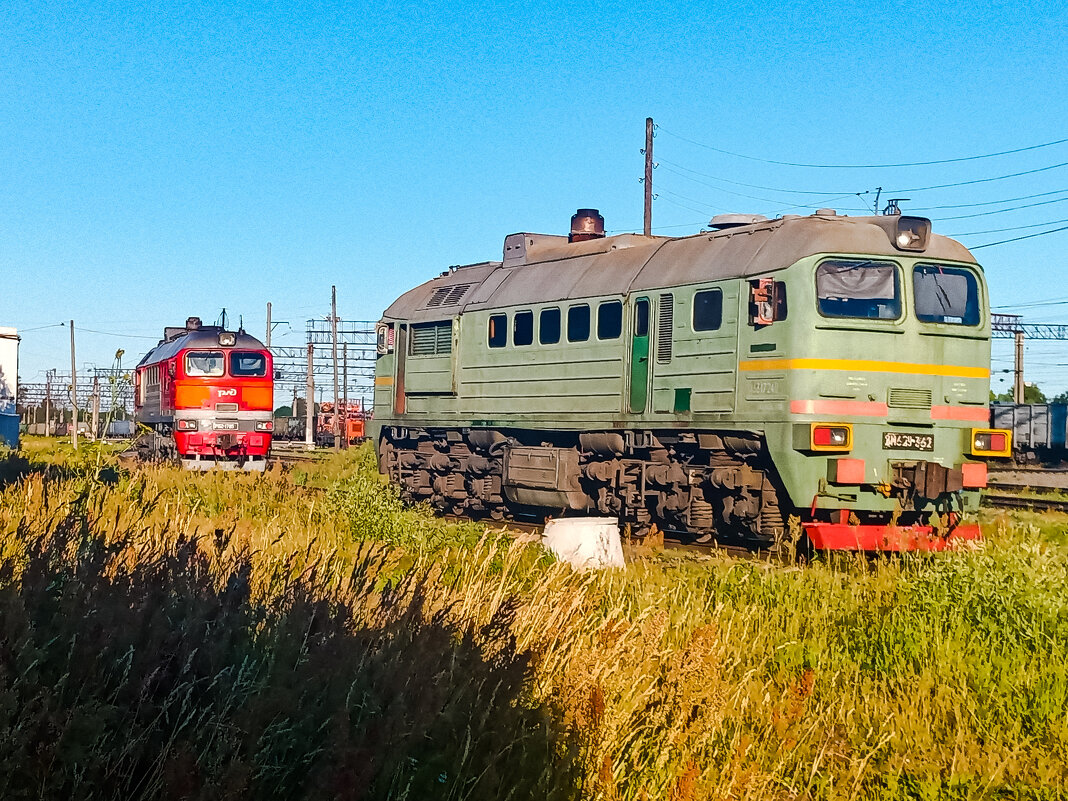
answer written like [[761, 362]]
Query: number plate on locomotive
[[900, 441], [226, 426]]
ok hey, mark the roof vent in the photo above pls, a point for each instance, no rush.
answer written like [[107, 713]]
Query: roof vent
[[723, 221], [826, 213], [586, 224]]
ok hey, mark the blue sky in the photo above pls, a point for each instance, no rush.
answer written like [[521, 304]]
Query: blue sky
[[158, 162]]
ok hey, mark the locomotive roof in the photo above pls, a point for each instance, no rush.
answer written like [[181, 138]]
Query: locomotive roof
[[207, 336], [554, 270]]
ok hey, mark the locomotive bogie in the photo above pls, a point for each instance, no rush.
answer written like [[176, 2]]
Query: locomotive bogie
[[720, 385]]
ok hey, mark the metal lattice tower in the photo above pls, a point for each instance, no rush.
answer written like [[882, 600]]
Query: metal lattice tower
[[356, 345]]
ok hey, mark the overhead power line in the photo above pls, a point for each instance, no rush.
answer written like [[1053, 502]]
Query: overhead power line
[[749, 186], [1017, 239], [1014, 228], [982, 180], [862, 166], [1003, 211], [991, 202]]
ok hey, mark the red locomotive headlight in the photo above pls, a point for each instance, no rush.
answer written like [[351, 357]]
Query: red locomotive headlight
[[831, 437], [187, 425], [266, 425], [991, 442]]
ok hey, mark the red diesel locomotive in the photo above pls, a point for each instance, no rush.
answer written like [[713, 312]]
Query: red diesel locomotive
[[207, 394]]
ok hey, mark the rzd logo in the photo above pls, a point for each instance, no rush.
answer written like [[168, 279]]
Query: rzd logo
[[223, 393]]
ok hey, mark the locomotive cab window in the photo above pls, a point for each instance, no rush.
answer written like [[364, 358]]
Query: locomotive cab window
[[248, 364], [549, 326], [498, 330], [946, 295], [205, 363], [578, 323], [708, 310], [610, 320], [863, 289], [523, 328]]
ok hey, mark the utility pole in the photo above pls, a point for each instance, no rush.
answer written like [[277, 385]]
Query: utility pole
[[73, 391], [333, 346], [48, 402], [1018, 378], [268, 342], [648, 176], [309, 402], [95, 434], [345, 390], [292, 412]]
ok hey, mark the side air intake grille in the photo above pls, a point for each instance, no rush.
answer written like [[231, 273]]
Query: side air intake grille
[[901, 398], [448, 295], [664, 324], [431, 339]]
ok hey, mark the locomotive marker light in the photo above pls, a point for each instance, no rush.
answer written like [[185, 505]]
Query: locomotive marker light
[[831, 437], [187, 425], [991, 442], [227, 339]]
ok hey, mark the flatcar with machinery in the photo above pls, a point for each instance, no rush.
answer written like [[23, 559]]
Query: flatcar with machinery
[[206, 397], [820, 377]]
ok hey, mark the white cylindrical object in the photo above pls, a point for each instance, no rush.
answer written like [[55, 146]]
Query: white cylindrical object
[[585, 542]]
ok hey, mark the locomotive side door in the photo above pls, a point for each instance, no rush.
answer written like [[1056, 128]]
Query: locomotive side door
[[639, 357]]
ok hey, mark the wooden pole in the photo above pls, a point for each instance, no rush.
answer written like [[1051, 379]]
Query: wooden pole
[[73, 391], [309, 402], [345, 390], [1018, 377], [48, 403], [95, 433], [333, 347], [648, 176]]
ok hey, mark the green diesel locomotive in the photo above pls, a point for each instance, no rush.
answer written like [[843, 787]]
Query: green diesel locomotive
[[821, 374]]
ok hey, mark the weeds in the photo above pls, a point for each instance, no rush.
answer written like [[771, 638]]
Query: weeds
[[176, 635]]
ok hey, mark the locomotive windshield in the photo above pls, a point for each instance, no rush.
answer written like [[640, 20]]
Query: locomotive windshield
[[866, 289], [946, 295], [204, 363], [248, 364]]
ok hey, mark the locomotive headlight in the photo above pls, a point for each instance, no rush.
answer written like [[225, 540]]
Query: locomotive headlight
[[187, 425], [912, 233], [991, 442], [831, 437], [266, 425], [227, 338]]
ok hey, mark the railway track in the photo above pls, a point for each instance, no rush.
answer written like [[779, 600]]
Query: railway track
[[1006, 501], [1034, 477]]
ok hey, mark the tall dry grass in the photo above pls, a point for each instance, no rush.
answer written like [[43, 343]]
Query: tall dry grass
[[308, 636]]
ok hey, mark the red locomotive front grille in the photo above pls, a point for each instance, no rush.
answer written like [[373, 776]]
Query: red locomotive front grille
[[244, 443], [845, 537]]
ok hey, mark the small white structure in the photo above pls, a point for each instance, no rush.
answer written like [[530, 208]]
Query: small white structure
[[585, 542], [9, 387]]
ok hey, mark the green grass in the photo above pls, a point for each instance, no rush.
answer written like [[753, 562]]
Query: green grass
[[303, 634]]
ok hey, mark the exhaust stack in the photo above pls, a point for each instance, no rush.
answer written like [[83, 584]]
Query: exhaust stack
[[586, 224]]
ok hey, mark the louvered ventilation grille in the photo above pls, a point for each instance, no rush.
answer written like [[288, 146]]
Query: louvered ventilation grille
[[448, 295], [901, 398], [665, 323], [226, 407], [431, 339]]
